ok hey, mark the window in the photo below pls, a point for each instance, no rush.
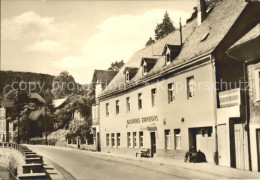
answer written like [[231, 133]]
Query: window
[[257, 84], [168, 59], [127, 104], [128, 139], [134, 140], [117, 107], [141, 139], [127, 76], [167, 139], [118, 139], [190, 86], [177, 135], [144, 68], [113, 139], [107, 109], [153, 93], [107, 139], [170, 93], [140, 105]]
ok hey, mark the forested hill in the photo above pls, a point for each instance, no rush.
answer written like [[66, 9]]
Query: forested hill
[[8, 77]]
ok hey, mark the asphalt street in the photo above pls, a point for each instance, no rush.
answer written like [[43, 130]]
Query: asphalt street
[[79, 164]]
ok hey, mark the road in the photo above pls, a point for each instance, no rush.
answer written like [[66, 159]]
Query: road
[[76, 164]]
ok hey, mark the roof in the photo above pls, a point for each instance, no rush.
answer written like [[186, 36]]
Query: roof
[[37, 96], [7, 103], [171, 48], [148, 60], [216, 25], [58, 102], [254, 33], [34, 115], [103, 76]]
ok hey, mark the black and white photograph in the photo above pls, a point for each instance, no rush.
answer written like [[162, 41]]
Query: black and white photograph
[[129, 89]]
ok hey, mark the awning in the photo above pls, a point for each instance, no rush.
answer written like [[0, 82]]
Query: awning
[[151, 127]]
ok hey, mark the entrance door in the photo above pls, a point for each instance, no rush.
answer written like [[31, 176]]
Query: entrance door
[[222, 146], [98, 142], [153, 144], [258, 147]]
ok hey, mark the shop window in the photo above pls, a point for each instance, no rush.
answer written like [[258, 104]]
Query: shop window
[[128, 139], [117, 107], [107, 109], [118, 139], [140, 103], [190, 86], [134, 139], [153, 93], [170, 92], [167, 139], [113, 139], [177, 137], [141, 139], [257, 84], [128, 104], [107, 139]]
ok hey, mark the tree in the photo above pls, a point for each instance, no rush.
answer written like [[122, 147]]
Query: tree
[[164, 28], [193, 15], [64, 84], [116, 66], [150, 41]]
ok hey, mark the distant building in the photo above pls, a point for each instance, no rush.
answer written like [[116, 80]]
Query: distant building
[[6, 125], [172, 95], [100, 80]]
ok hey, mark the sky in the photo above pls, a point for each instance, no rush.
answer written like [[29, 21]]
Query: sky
[[50, 36]]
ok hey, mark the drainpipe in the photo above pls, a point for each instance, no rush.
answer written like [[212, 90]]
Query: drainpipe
[[215, 107], [245, 64]]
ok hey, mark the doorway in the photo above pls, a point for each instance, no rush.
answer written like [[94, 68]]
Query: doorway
[[258, 147], [153, 144], [98, 142]]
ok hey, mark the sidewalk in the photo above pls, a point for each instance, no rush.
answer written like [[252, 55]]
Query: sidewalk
[[210, 168]]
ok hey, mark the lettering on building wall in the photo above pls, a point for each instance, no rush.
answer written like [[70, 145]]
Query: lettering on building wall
[[143, 120]]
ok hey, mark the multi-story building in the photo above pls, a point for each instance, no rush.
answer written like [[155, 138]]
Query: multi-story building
[[247, 51], [6, 125], [176, 94], [100, 80]]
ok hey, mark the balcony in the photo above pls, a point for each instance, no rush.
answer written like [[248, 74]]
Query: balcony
[[230, 98]]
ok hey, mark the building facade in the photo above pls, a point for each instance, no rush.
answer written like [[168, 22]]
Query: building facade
[[173, 95], [100, 80]]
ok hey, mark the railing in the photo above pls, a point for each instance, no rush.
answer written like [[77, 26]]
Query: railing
[[33, 163]]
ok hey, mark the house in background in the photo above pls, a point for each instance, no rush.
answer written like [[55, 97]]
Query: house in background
[[6, 124], [100, 80], [75, 123]]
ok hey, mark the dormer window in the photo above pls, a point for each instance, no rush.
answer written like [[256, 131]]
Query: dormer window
[[147, 64], [127, 76], [144, 68], [171, 52], [130, 72]]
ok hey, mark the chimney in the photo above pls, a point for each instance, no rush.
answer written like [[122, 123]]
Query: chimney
[[201, 10]]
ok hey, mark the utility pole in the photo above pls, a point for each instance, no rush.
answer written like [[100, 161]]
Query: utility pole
[[19, 113], [46, 140]]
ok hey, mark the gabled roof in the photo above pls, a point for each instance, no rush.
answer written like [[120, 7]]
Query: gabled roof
[[216, 26], [148, 60], [103, 76], [254, 33], [171, 48], [37, 96], [58, 102], [7, 103]]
